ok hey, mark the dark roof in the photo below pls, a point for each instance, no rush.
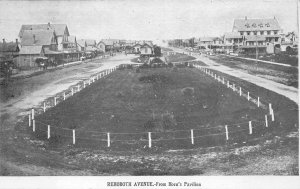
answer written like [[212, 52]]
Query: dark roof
[[42, 37], [255, 24], [59, 29], [31, 49], [9, 47]]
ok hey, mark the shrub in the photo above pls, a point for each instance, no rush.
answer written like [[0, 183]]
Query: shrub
[[138, 70], [170, 64]]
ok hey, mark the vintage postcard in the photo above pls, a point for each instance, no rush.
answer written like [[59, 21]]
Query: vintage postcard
[[149, 94]]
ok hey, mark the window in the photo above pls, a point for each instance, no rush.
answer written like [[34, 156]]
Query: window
[[255, 33], [146, 50], [275, 32], [248, 33], [268, 32], [262, 33]]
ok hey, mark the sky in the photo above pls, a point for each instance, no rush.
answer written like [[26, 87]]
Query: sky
[[143, 19]]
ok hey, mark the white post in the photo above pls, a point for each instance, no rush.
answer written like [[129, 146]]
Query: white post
[[54, 101], [272, 115], [215, 76], [73, 136], [233, 87], [149, 138], [33, 125], [227, 84], [192, 136], [270, 108], [226, 131], [89, 81], [32, 113], [248, 97], [223, 81], [240, 91], [97, 76], [266, 120], [257, 101], [83, 84], [250, 127], [48, 132], [29, 120], [78, 87], [108, 139], [64, 95], [44, 107]]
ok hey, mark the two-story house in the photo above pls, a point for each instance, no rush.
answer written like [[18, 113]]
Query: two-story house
[[258, 35]]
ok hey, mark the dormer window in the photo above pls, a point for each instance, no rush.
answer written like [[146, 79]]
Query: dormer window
[[261, 33], [254, 25], [248, 33], [267, 25], [260, 25], [247, 25], [268, 32], [255, 33]]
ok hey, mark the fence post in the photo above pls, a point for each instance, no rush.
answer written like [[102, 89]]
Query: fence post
[[97, 76], [48, 132], [192, 136], [240, 91], [227, 84], [33, 125], [74, 136], [108, 139], [266, 120], [233, 87], [89, 81], [44, 106], [215, 76], [258, 101], [32, 113], [226, 131], [250, 127], [149, 138], [29, 120], [64, 95], [270, 108], [272, 114], [223, 81], [248, 97], [54, 101], [78, 87]]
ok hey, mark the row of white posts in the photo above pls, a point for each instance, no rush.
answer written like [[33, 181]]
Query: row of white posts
[[31, 120], [91, 80], [207, 71]]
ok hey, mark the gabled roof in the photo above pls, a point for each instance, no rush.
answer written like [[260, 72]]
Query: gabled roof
[[72, 39], [81, 42], [9, 47], [31, 49], [146, 45], [256, 24], [109, 41], [42, 37], [59, 29]]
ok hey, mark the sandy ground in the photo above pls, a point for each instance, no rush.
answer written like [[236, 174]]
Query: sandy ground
[[287, 91]]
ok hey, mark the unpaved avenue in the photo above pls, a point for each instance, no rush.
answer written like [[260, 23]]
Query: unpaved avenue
[[15, 152], [287, 91]]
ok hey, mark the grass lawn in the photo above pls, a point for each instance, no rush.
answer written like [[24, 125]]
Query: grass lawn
[[179, 57], [167, 102]]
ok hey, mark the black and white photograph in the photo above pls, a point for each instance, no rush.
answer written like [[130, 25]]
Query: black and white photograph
[[149, 94]]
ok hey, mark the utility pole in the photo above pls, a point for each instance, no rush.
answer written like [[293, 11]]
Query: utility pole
[[256, 51]]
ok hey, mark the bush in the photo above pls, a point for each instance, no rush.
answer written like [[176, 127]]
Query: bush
[[138, 70], [129, 66]]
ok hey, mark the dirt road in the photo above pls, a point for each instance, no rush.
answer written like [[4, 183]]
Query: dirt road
[[287, 91], [25, 93]]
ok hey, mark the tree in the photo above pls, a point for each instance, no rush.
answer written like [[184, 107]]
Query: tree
[[157, 51]]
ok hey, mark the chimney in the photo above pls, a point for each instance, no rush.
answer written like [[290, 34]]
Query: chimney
[[17, 42], [245, 17], [3, 40], [33, 38], [48, 26]]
